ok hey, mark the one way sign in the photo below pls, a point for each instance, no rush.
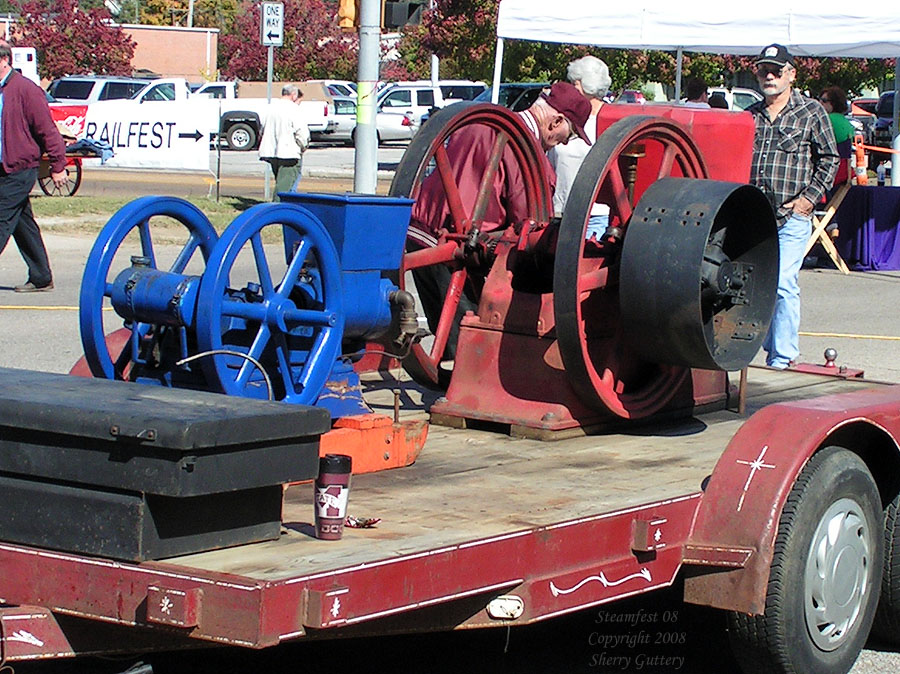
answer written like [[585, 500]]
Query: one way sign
[[272, 24]]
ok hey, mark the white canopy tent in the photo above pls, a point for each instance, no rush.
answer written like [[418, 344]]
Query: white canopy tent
[[820, 28]]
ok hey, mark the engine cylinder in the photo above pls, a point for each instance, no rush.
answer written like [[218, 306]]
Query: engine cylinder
[[140, 293]]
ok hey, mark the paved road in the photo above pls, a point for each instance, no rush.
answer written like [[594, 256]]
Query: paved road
[[40, 331]]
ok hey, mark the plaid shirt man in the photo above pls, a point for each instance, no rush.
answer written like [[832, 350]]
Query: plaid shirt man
[[794, 155]]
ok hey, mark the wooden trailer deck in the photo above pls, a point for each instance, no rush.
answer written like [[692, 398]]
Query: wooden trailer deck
[[469, 485], [484, 528]]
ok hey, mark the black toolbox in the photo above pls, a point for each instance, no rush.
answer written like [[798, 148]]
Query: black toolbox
[[138, 472]]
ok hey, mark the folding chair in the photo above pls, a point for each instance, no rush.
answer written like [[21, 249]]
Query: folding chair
[[820, 220]]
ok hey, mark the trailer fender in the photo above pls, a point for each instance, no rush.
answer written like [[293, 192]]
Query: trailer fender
[[729, 552]]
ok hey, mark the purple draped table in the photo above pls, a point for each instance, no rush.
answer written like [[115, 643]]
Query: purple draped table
[[868, 220]]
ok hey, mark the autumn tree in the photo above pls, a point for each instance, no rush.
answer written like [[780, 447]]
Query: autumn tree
[[463, 35], [219, 14], [851, 75], [314, 47], [69, 39]]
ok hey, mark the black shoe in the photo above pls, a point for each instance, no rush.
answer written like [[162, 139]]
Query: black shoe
[[31, 288]]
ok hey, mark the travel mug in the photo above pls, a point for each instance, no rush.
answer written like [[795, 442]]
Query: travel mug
[[332, 491]]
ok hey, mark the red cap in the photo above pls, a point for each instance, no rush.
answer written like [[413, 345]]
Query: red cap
[[568, 101]]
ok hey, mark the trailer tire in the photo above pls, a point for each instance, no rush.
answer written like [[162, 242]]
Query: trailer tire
[[887, 618], [241, 137], [830, 529]]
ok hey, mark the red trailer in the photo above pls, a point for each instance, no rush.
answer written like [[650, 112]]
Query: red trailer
[[774, 501], [496, 531]]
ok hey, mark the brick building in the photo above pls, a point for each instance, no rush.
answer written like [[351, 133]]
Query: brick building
[[168, 51]]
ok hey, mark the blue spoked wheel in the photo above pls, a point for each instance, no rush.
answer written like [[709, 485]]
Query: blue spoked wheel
[[95, 284], [292, 325]]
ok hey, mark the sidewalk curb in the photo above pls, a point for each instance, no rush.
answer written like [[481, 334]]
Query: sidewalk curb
[[340, 173]]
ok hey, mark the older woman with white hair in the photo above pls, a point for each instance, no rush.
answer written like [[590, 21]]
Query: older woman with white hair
[[590, 76]]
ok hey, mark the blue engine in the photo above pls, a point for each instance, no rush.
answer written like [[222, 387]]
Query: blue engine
[[291, 334]]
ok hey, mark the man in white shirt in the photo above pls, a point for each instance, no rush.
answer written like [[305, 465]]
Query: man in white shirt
[[697, 95], [285, 139], [591, 77]]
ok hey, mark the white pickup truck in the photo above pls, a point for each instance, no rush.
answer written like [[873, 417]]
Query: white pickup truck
[[238, 121]]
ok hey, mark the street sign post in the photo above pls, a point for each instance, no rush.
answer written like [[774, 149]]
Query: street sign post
[[272, 24], [271, 35]]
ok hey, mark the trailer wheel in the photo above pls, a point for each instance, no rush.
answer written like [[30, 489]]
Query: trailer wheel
[[887, 619], [241, 137], [822, 590]]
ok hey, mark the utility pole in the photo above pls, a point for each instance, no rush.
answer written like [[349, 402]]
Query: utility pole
[[434, 59], [365, 166]]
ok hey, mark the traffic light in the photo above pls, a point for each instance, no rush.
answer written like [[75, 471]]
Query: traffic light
[[397, 14], [348, 14]]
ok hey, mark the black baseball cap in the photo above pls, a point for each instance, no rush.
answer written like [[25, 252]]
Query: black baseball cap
[[775, 54]]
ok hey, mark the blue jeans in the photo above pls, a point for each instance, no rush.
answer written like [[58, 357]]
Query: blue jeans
[[782, 343], [596, 228]]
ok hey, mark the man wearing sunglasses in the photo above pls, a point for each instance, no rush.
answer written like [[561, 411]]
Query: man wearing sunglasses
[[795, 158]]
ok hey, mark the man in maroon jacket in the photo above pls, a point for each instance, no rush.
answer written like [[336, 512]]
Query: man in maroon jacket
[[26, 132]]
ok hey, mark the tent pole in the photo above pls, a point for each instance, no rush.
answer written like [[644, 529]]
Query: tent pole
[[895, 113], [498, 66], [679, 57]]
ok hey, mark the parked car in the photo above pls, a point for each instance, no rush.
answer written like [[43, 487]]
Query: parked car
[[631, 96], [389, 125], [862, 117], [90, 88], [337, 87], [882, 131], [863, 107], [345, 118], [419, 98], [516, 96], [738, 98], [460, 90]]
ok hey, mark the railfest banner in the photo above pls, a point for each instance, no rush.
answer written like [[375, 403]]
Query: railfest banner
[[155, 134]]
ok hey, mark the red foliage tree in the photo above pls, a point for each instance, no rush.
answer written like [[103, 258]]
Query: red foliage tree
[[314, 47], [71, 40]]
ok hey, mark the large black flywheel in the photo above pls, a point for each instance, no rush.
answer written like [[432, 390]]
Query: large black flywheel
[[699, 273]]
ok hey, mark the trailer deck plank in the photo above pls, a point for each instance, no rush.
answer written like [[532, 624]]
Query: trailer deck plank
[[469, 485]]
